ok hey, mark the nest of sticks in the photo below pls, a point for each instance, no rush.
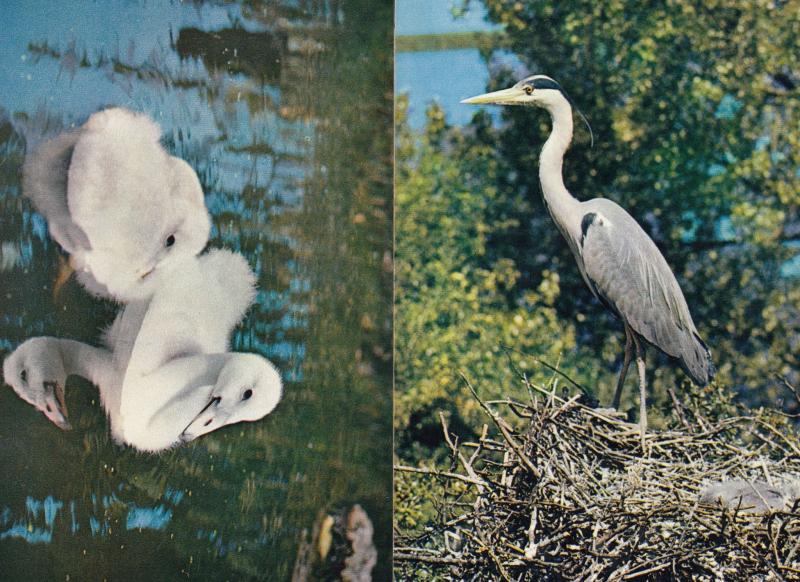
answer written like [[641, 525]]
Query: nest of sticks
[[557, 490]]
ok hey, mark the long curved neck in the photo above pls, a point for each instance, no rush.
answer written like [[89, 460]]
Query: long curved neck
[[560, 203], [157, 406], [94, 364]]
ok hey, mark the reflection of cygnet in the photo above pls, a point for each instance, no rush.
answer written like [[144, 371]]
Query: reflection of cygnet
[[167, 377], [117, 202]]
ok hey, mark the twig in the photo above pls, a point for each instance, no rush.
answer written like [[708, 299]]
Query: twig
[[504, 431], [464, 463], [678, 408], [444, 474]]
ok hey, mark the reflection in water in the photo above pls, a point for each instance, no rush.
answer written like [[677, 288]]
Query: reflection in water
[[296, 170], [49, 508], [38, 524], [236, 51]]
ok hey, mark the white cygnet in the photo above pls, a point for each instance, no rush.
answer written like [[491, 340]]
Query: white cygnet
[[182, 342], [36, 372], [167, 377], [117, 202]]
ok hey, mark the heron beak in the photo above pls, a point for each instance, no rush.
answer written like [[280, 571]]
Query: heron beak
[[207, 420], [56, 405], [508, 96]]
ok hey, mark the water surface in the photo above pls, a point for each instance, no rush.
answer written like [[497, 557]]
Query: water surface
[[284, 111]]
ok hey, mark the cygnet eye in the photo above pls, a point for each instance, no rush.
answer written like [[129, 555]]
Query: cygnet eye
[[247, 394], [23, 375], [170, 241]]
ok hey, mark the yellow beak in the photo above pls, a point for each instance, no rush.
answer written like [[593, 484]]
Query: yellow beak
[[509, 96]]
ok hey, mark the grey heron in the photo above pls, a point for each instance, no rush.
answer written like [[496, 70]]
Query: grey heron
[[618, 261]]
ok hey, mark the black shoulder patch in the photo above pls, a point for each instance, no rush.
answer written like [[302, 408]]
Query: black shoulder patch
[[586, 222]]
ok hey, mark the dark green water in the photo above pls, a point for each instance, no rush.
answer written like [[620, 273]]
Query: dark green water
[[284, 110]]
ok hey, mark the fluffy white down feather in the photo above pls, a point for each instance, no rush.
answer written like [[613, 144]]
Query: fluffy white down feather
[[167, 358], [117, 202]]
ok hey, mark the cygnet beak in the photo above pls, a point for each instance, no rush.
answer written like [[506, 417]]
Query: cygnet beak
[[145, 274], [209, 419], [55, 406]]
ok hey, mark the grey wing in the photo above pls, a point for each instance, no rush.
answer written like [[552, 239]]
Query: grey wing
[[629, 274], [44, 181]]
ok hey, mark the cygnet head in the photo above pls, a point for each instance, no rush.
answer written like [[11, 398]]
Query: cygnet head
[[248, 388], [140, 208], [37, 375]]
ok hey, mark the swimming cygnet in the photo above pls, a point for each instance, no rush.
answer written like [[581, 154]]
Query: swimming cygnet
[[123, 209], [117, 202], [182, 343], [38, 370], [166, 377]]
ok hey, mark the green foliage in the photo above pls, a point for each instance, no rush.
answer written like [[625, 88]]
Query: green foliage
[[458, 303], [485, 41]]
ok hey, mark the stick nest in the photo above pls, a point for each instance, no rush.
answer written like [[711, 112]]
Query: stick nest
[[556, 490]]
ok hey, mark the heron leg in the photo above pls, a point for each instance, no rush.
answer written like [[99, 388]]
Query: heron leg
[[640, 364], [626, 361]]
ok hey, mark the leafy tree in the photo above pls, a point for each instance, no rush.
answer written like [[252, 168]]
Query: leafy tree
[[696, 115], [460, 307]]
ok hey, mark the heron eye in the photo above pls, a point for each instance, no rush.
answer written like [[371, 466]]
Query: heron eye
[[247, 394], [23, 375], [170, 241], [528, 89]]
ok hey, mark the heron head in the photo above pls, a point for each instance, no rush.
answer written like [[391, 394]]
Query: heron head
[[538, 90]]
